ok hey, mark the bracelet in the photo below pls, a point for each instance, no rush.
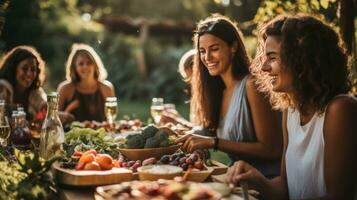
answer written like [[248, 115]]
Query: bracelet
[[216, 140]]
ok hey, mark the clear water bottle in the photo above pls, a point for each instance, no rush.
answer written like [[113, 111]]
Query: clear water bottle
[[52, 134]]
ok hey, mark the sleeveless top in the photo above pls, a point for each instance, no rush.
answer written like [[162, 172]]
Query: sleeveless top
[[91, 106], [237, 126], [304, 158]]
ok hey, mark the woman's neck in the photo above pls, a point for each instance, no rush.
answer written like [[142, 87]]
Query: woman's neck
[[88, 83], [306, 113], [228, 79], [19, 91]]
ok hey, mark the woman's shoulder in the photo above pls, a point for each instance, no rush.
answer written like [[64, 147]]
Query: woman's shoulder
[[66, 88], [342, 103], [65, 85], [251, 87], [5, 84], [106, 87]]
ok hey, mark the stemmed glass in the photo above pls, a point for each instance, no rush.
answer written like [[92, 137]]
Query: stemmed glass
[[4, 125], [157, 106], [111, 109]]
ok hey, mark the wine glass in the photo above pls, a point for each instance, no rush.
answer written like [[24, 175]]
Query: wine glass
[[5, 129], [111, 109], [157, 106]]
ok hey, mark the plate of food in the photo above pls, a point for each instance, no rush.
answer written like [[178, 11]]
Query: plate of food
[[151, 141], [90, 169], [161, 189]]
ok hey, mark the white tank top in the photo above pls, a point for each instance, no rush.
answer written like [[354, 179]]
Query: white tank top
[[304, 157]]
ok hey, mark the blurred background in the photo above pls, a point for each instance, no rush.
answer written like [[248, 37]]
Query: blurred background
[[141, 41]]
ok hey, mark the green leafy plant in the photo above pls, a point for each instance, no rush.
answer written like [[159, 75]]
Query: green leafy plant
[[28, 178]]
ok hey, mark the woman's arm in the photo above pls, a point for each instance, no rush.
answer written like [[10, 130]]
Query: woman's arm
[[269, 137], [107, 89], [340, 134], [270, 189], [63, 92]]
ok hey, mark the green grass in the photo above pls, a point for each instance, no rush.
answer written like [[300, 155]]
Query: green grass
[[141, 110]]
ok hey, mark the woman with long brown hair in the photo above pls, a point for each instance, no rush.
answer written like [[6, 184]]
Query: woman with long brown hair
[[22, 74], [84, 92], [226, 101]]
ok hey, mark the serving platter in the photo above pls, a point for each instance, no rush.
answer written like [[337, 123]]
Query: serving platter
[[72, 177]]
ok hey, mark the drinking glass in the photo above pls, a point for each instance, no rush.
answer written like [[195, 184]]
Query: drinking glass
[[5, 129], [111, 109], [157, 106]]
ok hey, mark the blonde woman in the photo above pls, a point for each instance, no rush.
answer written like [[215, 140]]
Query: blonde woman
[[85, 89]]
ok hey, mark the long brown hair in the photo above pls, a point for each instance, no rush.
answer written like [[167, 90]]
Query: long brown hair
[[207, 90], [11, 61], [314, 54]]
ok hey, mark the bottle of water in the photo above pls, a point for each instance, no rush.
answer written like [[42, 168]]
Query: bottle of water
[[52, 134]]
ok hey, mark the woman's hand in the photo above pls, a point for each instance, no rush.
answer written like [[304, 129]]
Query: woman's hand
[[193, 142], [65, 117], [73, 105], [242, 171]]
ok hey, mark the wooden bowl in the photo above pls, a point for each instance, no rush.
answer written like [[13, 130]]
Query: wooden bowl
[[155, 172], [142, 154]]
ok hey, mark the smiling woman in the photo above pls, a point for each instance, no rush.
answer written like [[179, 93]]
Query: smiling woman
[[84, 92], [22, 73], [226, 101]]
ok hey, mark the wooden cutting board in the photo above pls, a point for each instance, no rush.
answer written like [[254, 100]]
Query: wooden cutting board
[[73, 177]]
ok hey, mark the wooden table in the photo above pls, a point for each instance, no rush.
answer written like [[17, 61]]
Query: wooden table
[[68, 194]]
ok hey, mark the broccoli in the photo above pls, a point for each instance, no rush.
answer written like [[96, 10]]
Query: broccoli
[[149, 131], [161, 136], [135, 141], [152, 143]]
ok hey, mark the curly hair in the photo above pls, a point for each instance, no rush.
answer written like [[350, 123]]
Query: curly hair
[[207, 90], [87, 51], [11, 60], [316, 57]]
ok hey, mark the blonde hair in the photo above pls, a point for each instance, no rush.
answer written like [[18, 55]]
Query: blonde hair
[[86, 50], [186, 62]]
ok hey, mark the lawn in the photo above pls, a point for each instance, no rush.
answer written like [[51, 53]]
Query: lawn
[[141, 110]]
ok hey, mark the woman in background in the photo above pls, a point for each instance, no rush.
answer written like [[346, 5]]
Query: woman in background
[[22, 74], [185, 69], [304, 68], [84, 92], [226, 101]]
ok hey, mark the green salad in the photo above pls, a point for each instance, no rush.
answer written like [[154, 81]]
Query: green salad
[[83, 139]]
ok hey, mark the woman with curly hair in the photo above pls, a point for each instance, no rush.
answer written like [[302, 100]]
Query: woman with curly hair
[[84, 92], [22, 73], [304, 68], [226, 100]]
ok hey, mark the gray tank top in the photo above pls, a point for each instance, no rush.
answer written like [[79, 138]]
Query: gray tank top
[[237, 125]]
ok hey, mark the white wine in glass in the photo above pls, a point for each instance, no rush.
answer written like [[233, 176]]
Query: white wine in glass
[[157, 107], [111, 109]]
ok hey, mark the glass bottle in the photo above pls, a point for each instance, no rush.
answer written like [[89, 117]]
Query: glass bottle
[[21, 134], [52, 134], [5, 129]]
